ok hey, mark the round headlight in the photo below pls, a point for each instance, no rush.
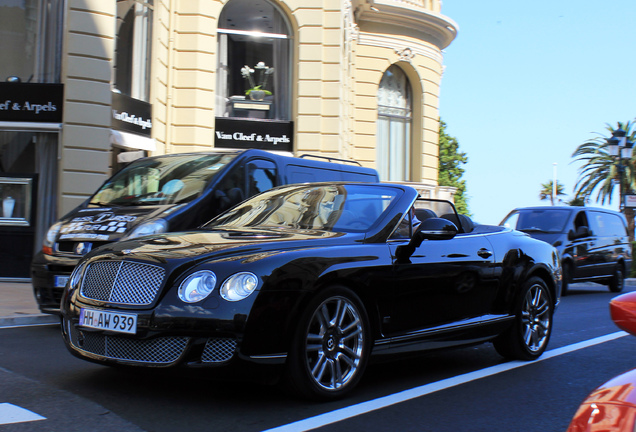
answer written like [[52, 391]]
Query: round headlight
[[156, 226], [197, 286], [239, 286]]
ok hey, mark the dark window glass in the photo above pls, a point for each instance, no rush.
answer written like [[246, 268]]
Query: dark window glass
[[132, 49], [549, 220]]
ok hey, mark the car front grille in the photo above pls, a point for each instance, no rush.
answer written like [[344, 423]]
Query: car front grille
[[218, 350], [123, 282], [161, 350]]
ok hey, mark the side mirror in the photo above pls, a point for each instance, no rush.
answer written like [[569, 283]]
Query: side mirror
[[581, 232], [430, 229], [435, 229], [571, 235]]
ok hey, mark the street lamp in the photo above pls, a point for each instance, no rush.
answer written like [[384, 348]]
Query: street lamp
[[621, 148]]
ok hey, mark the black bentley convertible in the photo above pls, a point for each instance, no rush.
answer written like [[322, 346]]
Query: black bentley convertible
[[316, 278]]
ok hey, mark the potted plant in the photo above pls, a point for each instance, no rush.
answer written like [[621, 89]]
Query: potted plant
[[257, 90]]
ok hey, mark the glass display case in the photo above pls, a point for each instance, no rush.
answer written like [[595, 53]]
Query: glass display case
[[16, 194]]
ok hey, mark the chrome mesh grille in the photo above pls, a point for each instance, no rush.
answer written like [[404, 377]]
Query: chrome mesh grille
[[162, 350], [218, 350], [123, 282]]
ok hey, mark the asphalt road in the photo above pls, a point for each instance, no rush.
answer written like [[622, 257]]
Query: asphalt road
[[468, 389]]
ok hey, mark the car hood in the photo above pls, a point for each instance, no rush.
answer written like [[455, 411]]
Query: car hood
[[106, 224], [203, 245]]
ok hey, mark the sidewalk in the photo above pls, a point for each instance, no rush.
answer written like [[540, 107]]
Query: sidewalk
[[18, 306]]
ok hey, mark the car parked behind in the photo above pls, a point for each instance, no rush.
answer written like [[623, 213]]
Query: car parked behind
[[593, 243]]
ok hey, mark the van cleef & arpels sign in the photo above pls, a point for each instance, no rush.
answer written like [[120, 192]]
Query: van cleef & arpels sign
[[131, 115], [254, 134], [31, 102]]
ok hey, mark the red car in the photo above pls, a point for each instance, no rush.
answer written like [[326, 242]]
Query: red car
[[612, 406]]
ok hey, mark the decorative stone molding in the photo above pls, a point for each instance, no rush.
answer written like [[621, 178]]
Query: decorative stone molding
[[391, 41], [405, 54]]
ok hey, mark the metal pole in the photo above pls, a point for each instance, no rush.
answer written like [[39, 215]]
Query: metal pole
[[554, 183]]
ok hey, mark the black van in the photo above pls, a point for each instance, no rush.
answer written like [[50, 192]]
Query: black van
[[593, 243], [169, 193]]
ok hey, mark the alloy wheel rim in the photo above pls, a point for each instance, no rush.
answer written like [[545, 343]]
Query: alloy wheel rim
[[536, 318], [334, 343]]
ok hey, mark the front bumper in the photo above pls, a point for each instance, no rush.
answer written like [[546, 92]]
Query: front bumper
[[155, 351], [168, 335]]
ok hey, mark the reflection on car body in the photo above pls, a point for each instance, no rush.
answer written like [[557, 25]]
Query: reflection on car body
[[315, 278]]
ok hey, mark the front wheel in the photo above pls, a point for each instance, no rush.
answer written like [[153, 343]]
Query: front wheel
[[529, 335], [331, 346]]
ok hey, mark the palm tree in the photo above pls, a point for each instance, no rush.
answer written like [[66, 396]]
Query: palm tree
[[601, 171], [546, 191], [577, 201]]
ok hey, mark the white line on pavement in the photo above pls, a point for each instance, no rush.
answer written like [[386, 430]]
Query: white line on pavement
[[10, 413], [386, 401]]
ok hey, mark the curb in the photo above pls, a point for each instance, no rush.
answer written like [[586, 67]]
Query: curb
[[27, 320]]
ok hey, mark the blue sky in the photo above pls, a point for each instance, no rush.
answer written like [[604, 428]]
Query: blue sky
[[526, 82]]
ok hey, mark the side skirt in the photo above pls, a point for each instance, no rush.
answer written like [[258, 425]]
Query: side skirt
[[471, 331]]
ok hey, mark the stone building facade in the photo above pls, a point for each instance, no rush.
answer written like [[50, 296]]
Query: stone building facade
[[115, 80]]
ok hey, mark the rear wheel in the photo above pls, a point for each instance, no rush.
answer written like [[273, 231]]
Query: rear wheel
[[331, 346], [528, 337], [617, 282]]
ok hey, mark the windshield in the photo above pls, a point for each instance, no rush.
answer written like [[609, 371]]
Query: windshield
[[162, 180], [341, 208], [538, 220]]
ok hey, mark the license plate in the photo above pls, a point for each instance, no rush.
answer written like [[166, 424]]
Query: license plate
[[104, 320], [60, 281]]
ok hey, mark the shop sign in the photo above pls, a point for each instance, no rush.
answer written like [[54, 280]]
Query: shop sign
[[131, 115], [254, 134], [630, 201], [31, 102]]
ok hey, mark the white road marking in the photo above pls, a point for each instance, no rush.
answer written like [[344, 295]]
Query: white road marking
[[386, 401], [10, 413]]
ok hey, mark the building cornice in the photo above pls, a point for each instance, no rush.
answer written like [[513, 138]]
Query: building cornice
[[401, 13]]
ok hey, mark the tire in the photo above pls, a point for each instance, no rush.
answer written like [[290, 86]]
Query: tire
[[567, 277], [530, 333], [331, 346], [617, 282]]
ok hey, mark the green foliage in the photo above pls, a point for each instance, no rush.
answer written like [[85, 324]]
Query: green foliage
[[576, 201], [600, 171], [546, 191], [450, 168]]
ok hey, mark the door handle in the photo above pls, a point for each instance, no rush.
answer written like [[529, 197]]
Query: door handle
[[484, 253]]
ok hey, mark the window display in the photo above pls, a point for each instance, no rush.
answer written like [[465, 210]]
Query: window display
[[15, 197], [254, 63]]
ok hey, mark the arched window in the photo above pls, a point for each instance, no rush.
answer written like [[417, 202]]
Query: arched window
[[254, 61], [394, 126]]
